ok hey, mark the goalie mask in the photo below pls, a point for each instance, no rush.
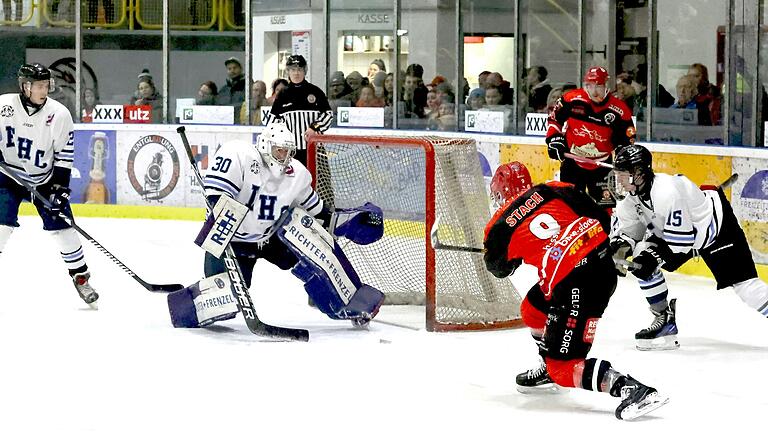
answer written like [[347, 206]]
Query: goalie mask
[[632, 173], [277, 147], [510, 181]]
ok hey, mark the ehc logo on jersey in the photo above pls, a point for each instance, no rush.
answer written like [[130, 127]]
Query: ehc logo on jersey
[[148, 170], [6, 111]]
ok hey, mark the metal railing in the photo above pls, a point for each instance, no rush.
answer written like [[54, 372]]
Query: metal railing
[[131, 14]]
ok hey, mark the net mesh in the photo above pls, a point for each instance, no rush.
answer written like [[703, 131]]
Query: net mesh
[[393, 176]]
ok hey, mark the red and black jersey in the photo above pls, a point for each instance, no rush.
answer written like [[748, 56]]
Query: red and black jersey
[[592, 130], [552, 227]]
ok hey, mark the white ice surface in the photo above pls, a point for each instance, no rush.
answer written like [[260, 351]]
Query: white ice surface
[[65, 368]]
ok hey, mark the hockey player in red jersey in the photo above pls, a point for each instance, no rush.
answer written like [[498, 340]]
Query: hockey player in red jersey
[[592, 123], [562, 232]]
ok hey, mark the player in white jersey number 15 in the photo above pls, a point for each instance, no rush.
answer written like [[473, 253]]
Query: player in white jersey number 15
[[263, 201], [664, 221], [37, 145]]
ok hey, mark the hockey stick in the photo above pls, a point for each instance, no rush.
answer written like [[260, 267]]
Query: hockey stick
[[438, 245], [729, 181], [238, 286], [151, 287], [588, 160]]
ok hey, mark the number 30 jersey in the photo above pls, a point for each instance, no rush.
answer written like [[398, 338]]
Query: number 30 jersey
[[238, 170], [32, 145], [552, 227]]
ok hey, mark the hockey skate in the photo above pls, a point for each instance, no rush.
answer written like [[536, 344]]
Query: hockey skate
[[662, 333], [637, 399], [85, 290], [537, 381]]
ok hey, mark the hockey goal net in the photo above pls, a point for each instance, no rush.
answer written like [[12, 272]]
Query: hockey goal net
[[415, 180]]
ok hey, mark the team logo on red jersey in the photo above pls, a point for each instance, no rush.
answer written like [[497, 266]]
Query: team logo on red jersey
[[590, 329]]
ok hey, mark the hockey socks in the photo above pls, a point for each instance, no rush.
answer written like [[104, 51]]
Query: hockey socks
[[754, 292]]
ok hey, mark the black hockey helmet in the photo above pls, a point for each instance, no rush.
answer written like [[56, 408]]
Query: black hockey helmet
[[296, 60], [29, 73], [636, 161], [34, 72]]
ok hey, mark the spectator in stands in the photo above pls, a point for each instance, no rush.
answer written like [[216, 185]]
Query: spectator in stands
[[92, 17], [148, 95], [482, 79], [624, 90], [19, 6], [433, 103], [445, 92], [375, 67], [232, 93], [278, 86], [378, 84], [538, 88], [438, 79], [553, 96], [493, 97], [207, 94], [389, 84], [686, 92], [355, 82], [368, 98], [708, 95], [446, 115], [90, 100], [476, 99], [495, 79], [414, 94], [258, 100], [640, 84]]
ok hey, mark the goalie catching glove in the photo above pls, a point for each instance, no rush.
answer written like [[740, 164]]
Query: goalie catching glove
[[362, 225]]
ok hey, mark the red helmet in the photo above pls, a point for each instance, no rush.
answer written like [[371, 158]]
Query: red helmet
[[509, 182], [597, 75]]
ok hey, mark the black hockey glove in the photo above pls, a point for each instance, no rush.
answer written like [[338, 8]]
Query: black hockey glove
[[557, 147], [57, 195], [650, 261], [621, 250]]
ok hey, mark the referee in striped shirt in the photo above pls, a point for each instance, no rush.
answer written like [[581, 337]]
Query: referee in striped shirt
[[303, 106]]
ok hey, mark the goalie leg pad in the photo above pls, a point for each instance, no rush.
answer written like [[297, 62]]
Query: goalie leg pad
[[328, 276], [202, 303]]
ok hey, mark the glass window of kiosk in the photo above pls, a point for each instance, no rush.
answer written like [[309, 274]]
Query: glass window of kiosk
[[362, 61], [212, 87], [549, 40], [430, 91], [489, 63], [689, 98], [138, 82]]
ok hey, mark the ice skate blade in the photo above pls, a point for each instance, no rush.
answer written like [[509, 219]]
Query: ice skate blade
[[652, 402], [93, 305], [664, 343], [543, 389]]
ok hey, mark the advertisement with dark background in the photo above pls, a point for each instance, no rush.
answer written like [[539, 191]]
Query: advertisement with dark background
[[93, 175]]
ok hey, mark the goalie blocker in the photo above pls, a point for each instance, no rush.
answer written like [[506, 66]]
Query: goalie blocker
[[329, 278]]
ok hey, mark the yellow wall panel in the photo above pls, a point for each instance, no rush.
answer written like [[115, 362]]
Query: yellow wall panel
[[541, 167]]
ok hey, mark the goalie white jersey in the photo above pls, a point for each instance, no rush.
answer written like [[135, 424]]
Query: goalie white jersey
[[32, 145], [678, 212], [239, 171]]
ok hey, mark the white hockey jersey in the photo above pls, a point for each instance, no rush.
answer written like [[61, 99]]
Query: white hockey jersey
[[238, 170], [32, 145], [678, 212]]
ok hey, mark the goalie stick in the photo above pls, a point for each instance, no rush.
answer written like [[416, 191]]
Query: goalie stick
[[238, 286], [150, 287], [438, 245]]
